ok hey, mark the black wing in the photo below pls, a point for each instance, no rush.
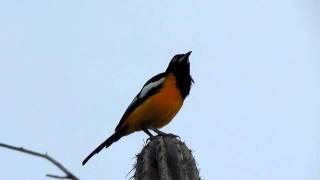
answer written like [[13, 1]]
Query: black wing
[[150, 88]]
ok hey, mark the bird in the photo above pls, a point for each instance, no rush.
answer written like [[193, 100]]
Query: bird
[[159, 100]]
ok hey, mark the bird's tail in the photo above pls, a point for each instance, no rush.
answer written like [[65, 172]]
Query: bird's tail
[[115, 137]]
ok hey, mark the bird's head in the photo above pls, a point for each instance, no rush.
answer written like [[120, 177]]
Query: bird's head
[[179, 65]]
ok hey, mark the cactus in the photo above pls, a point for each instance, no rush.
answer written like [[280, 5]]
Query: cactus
[[165, 158]]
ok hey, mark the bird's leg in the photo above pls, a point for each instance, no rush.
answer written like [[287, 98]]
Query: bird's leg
[[148, 132], [160, 133]]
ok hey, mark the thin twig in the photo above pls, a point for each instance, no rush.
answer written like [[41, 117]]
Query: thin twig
[[57, 177], [68, 174]]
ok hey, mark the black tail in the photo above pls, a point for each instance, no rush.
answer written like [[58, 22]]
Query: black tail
[[115, 137]]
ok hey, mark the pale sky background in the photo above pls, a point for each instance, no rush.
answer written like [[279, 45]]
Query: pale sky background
[[69, 69]]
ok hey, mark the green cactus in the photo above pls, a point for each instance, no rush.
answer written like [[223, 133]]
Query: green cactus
[[166, 158]]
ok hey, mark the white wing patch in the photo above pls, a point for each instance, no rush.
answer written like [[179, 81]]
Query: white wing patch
[[150, 86]]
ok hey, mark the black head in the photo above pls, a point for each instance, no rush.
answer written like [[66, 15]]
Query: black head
[[179, 66]]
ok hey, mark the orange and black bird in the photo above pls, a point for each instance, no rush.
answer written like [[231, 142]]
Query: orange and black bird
[[159, 100]]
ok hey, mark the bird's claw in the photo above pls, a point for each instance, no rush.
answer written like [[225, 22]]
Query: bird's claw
[[163, 135], [151, 138], [173, 135], [170, 135]]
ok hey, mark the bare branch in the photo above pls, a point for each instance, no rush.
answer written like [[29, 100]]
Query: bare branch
[[68, 174], [56, 177]]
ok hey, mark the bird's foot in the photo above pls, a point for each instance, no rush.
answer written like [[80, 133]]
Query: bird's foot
[[151, 138], [169, 135], [160, 133]]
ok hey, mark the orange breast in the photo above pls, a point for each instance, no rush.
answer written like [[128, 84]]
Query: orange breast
[[158, 110]]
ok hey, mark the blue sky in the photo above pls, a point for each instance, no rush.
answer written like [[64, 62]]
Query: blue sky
[[69, 69]]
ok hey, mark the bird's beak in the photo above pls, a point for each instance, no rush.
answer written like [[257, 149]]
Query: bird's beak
[[187, 54]]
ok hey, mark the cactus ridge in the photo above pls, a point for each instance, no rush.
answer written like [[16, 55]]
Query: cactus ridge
[[166, 158]]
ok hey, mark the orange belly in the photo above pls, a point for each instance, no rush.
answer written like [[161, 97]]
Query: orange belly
[[158, 110]]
